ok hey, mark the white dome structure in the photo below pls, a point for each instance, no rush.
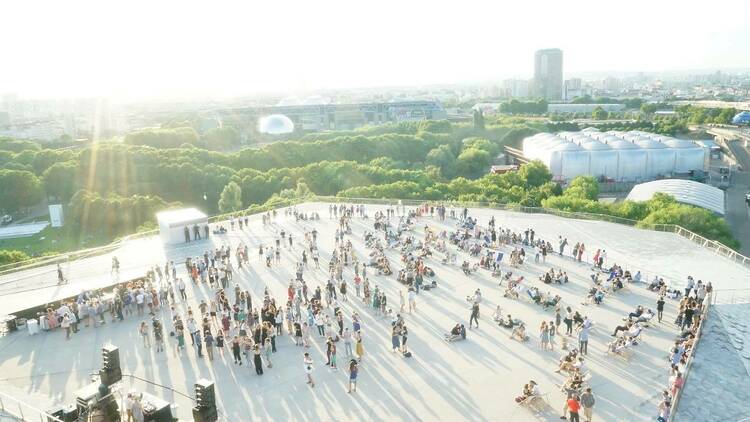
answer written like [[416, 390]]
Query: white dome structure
[[275, 124], [685, 191], [622, 156], [603, 160]]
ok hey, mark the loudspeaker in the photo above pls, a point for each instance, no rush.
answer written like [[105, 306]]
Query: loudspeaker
[[205, 398], [205, 415], [110, 372]]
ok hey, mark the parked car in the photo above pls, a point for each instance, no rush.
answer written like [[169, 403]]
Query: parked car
[[5, 220], [747, 197]]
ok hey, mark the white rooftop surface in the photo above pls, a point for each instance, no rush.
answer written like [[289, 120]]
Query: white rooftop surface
[[685, 191], [181, 216], [475, 379]]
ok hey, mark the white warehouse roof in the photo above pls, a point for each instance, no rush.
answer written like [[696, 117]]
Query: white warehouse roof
[[685, 191]]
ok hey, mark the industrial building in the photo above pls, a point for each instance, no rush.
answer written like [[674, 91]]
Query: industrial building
[[315, 117], [633, 156]]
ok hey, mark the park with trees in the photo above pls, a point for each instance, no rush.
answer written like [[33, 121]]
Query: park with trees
[[114, 189]]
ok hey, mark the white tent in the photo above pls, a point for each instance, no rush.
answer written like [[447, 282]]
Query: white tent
[[172, 225], [623, 156], [685, 191]]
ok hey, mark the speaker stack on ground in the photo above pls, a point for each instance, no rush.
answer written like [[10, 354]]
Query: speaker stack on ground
[[110, 372], [205, 402]]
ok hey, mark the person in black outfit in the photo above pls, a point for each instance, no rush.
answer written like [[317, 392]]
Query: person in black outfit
[[474, 315], [257, 360], [196, 232], [187, 234], [660, 307]]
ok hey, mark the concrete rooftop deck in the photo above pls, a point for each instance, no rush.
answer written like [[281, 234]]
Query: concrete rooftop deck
[[476, 379]]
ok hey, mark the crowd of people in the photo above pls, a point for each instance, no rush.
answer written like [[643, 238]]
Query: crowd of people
[[247, 327]]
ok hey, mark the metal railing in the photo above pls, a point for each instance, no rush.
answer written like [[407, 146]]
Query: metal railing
[[730, 296], [712, 245], [15, 408]]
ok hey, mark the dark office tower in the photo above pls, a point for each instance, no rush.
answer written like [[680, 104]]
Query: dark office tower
[[548, 74]]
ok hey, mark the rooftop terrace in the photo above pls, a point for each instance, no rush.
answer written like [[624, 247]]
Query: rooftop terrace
[[476, 379]]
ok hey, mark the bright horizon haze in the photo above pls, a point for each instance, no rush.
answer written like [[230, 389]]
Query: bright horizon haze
[[148, 50]]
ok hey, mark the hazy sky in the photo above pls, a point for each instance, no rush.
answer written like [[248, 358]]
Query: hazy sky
[[141, 49]]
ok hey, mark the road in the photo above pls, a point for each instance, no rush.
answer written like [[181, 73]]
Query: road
[[737, 210]]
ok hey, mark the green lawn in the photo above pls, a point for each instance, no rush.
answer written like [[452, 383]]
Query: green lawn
[[52, 240]]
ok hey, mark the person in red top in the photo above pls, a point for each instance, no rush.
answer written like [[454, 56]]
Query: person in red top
[[573, 407]]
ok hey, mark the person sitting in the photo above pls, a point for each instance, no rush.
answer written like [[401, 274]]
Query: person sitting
[[634, 332], [457, 333], [530, 391], [475, 298], [637, 277], [507, 322], [465, 268], [646, 317], [617, 284], [574, 383], [498, 315], [519, 332], [638, 312], [619, 328], [566, 362], [595, 278], [534, 295], [551, 301], [598, 296]]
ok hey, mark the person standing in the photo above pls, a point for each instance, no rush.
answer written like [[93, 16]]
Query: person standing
[[257, 360], [573, 407], [236, 351], [474, 314], [660, 307], [308, 362], [353, 373], [359, 348], [404, 337], [412, 300], [65, 324], [347, 337], [198, 343], [395, 338], [583, 340], [143, 331], [268, 348], [209, 339], [588, 401]]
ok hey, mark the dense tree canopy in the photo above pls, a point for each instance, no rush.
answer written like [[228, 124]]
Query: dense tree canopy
[[113, 189]]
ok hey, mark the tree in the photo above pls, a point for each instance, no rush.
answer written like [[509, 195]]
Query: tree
[[19, 189], [221, 138], [11, 256], [472, 163], [584, 187], [649, 108], [441, 157], [534, 174], [60, 180], [599, 114], [231, 198]]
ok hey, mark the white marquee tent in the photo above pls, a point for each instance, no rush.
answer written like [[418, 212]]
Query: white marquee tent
[[623, 156], [685, 191]]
